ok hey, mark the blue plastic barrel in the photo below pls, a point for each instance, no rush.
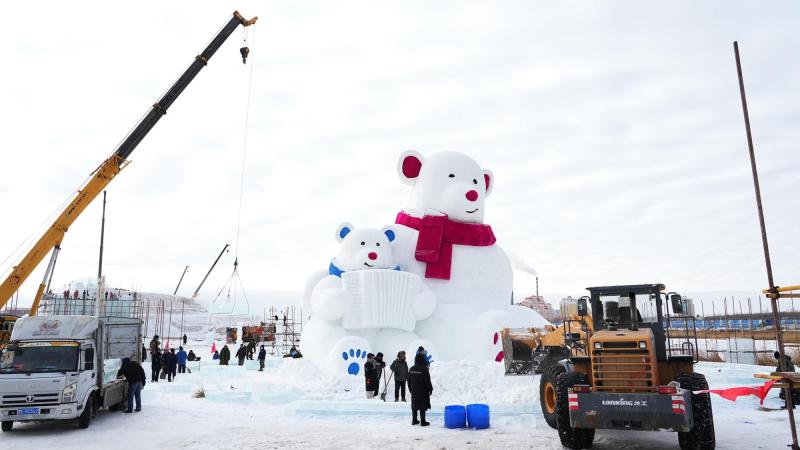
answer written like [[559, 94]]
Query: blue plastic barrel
[[455, 416], [478, 416]]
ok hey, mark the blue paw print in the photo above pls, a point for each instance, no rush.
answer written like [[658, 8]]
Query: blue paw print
[[354, 366]]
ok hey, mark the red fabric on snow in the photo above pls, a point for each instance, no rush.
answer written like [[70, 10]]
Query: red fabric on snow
[[733, 393]]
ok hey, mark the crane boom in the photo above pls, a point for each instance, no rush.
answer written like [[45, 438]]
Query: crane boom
[[111, 167]]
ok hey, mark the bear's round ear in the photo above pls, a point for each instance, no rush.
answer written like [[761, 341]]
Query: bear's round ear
[[390, 232], [409, 166], [343, 230], [488, 179]]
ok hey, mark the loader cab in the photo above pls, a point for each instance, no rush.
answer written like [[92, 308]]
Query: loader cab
[[632, 308]]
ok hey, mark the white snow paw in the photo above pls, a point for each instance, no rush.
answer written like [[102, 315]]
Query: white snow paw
[[347, 356]]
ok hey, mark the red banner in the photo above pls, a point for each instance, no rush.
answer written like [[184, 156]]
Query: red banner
[[733, 393]]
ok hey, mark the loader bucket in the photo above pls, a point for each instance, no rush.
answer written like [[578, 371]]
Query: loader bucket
[[518, 346]]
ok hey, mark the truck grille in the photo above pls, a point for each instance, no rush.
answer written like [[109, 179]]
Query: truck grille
[[623, 367], [14, 400]]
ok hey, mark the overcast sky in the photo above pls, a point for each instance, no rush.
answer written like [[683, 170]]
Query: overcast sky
[[614, 130]]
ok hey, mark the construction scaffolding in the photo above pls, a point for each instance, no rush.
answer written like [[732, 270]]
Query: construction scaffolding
[[283, 327]]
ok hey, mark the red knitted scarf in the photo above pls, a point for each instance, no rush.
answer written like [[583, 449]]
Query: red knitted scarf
[[437, 234]]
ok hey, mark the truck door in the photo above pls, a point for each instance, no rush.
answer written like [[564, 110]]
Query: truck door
[[88, 372]]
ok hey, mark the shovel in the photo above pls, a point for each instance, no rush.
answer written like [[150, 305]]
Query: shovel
[[386, 384]]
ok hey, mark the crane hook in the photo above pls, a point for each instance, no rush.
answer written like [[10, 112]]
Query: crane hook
[[244, 51]]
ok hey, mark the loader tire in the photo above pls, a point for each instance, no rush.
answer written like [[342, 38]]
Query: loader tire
[[7, 425], [572, 438], [701, 436], [547, 394]]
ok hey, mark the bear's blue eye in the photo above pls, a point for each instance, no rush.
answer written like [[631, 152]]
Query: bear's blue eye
[[378, 244], [452, 175], [363, 243], [474, 181]]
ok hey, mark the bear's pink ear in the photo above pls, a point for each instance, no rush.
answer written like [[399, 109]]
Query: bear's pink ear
[[409, 166], [488, 179]]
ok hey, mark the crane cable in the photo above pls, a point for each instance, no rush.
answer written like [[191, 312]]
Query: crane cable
[[231, 283]]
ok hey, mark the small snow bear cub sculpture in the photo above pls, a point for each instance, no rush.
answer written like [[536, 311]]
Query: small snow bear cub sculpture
[[364, 302], [442, 237]]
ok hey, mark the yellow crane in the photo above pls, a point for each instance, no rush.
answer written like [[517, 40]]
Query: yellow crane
[[108, 169]]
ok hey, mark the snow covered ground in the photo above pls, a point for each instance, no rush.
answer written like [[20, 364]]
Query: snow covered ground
[[292, 405]]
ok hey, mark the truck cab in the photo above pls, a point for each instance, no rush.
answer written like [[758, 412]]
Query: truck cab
[[64, 367]]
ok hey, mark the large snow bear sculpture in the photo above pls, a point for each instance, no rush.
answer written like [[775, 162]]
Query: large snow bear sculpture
[[442, 237], [363, 303]]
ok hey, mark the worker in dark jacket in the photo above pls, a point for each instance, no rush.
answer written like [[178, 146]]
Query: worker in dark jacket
[[419, 383], [224, 356], [787, 366], [191, 356], [380, 365], [370, 375], [155, 366], [399, 368], [262, 356], [241, 354], [136, 378], [184, 339], [172, 364]]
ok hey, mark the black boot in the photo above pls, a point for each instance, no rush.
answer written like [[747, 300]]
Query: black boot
[[422, 418], [414, 420]]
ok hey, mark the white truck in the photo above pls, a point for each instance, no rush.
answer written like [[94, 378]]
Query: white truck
[[65, 367]]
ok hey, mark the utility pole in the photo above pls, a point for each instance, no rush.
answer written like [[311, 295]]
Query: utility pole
[[773, 291]]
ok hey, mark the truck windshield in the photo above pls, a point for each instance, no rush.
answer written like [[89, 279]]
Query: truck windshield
[[40, 357]]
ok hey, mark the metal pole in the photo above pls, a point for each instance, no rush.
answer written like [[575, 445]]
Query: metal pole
[[209, 270], [102, 238], [774, 293], [180, 281]]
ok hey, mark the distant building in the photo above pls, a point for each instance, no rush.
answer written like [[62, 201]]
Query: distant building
[[546, 310]]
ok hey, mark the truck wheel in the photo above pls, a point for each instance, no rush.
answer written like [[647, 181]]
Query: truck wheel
[[573, 438], [7, 425], [547, 393], [701, 436], [88, 411]]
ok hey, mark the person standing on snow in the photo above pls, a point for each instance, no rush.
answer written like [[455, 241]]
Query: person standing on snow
[[380, 366], [182, 356], [399, 368], [155, 345], [419, 383], [155, 366], [370, 376], [241, 354], [224, 356], [262, 355], [136, 378], [184, 338], [172, 364]]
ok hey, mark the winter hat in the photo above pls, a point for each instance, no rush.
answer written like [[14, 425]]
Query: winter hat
[[370, 356], [180, 348], [126, 360], [420, 360], [777, 355], [379, 355], [155, 337]]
